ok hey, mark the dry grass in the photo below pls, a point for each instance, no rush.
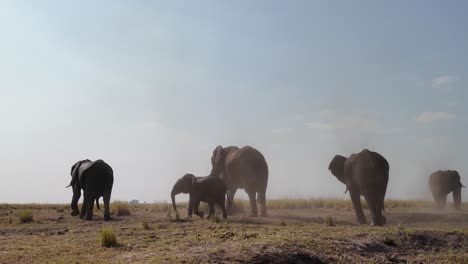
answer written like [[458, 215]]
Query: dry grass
[[25, 216], [413, 235], [120, 208], [107, 237]]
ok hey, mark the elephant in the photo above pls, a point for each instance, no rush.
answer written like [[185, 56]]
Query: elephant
[[96, 179], [442, 183], [365, 173], [209, 189], [242, 168]]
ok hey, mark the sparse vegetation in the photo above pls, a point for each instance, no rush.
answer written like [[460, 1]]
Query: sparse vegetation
[[414, 234], [146, 226], [120, 208], [215, 218], [107, 237], [25, 216], [330, 221], [10, 219]]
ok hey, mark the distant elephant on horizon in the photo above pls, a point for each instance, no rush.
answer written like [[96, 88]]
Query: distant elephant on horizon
[[442, 183], [96, 179], [365, 173], [242, 168]]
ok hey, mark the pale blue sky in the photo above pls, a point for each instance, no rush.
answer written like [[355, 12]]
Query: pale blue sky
[[152, 87]]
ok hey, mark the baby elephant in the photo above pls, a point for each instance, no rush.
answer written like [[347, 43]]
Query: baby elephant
[[209, 189]]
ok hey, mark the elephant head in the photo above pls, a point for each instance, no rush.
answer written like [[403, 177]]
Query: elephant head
[[336, 167], [182, 185]]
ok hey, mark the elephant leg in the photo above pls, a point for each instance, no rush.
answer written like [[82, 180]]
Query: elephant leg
[[374, 209], [90, 207], [106, 199], [190, 207], [230, 200], [84, 206], [253, 203], [196, 205], [443, 201], [223, 208], [212, 209], [262, 201], [356, 199]]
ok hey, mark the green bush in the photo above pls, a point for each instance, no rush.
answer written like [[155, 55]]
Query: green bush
[[25, 216], [107, 237], [120, 209]]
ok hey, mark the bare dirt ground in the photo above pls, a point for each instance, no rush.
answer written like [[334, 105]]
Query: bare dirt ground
[[412, 235]]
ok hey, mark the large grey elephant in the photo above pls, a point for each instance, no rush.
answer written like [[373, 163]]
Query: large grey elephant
[[242, 168], [95, 178], [209, 189], [442, 183], [366, 174]]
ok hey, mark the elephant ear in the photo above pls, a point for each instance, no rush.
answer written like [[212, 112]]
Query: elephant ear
[[336, 167], [188, 182], [74, 173]]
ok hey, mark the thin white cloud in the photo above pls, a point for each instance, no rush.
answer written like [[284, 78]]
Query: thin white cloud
[[281, 130], [342, 122], [430, 117], [444, 81]]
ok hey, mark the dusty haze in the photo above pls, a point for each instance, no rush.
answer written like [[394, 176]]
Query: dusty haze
[[153, 88]]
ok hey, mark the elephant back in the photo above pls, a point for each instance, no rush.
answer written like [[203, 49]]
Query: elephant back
[[247, 166]]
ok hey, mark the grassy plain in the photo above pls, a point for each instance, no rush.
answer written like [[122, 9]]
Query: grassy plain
[[296, 231]]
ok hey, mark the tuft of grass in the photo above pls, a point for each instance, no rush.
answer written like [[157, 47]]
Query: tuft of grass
[[120, 208], [215, 218], [146, 226], [25, 216], [330, 221], [107, 238], [177, 216], [60, 210], [10, 219]]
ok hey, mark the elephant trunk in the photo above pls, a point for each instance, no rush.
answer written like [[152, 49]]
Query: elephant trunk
[[173, 194], [457, 198]]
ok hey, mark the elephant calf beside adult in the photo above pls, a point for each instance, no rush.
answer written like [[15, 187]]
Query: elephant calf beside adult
[[242, 168], [364, 173], [95, 178], [442, 183], [209, 189]]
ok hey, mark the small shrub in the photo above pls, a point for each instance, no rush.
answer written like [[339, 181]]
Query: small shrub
[[330, 221], [25, 216], [108, 238], [120, 209], [215, 218], [146, 226]]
